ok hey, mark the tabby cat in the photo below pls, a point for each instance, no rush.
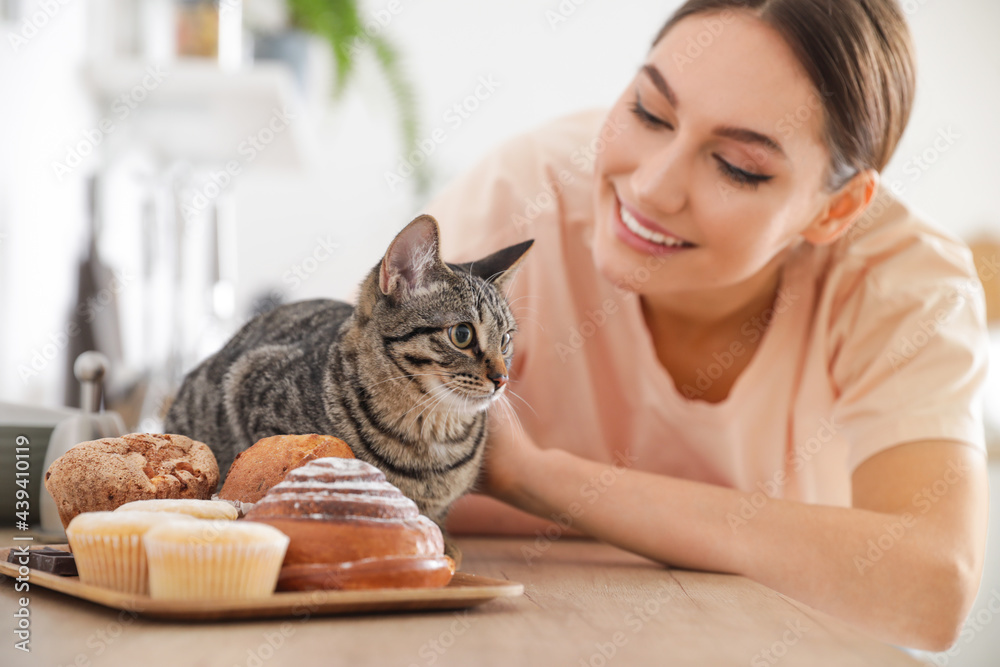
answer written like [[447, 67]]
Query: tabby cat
[[405, 377]]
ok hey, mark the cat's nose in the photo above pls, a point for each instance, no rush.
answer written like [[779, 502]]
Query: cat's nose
[[498, 380]]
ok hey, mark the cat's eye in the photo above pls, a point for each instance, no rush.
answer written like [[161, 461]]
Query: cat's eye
[[505, 343], [460, 335]]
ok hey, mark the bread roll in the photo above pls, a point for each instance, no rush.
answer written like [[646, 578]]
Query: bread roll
[[266, 463], [101, 475]]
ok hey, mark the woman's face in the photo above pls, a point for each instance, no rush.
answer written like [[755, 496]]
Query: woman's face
[[717, 152]]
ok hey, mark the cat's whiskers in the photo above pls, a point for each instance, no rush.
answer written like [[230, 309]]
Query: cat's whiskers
[[523, 296], [429, 402], [445, 426], [520, 398], [430, 396], [504, 410], [418, 432], [428, 427], [465, 405], [524, 318], [447, 416], [432, 428], [400, 377], [508, 411], [510, 286], [519, 309]]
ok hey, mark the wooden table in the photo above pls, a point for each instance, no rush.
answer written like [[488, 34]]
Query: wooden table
[[585, 604]]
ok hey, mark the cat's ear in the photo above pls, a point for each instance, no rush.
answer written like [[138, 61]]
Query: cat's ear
[[500, 267], [412, 258]]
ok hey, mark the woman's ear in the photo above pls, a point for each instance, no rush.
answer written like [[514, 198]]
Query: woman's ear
[[843, 208]]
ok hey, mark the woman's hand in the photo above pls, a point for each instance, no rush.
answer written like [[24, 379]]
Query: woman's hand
[[510, 453], [512, 466]]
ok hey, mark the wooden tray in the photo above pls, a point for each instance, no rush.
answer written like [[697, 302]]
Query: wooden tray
[[464, 590]]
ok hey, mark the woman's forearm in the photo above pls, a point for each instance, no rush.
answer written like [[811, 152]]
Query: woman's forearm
[[475, 514], [903, 590]]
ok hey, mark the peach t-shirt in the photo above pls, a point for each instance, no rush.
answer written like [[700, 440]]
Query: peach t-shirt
[[876, 340]]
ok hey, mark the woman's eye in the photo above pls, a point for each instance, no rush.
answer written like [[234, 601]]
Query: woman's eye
[[505, 343], [460, 335], [648, 119], [739, 176]]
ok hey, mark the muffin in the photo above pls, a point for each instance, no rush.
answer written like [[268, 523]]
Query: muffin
[[108, 547], [101, 475], [199, 509], [206, 560]]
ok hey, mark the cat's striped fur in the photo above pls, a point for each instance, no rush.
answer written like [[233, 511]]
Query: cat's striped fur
[[385, 376]]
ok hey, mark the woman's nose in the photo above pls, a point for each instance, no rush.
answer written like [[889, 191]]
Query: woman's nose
[[661, 179]]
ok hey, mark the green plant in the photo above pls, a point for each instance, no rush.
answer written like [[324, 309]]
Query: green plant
[[339, 23]]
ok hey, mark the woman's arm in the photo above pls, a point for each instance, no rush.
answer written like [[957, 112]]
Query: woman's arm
[[903, 564], [475, 514]]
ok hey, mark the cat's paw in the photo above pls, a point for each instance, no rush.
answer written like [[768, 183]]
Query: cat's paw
[[453, 551]]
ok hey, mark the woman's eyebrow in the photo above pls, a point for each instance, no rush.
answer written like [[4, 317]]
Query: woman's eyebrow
[[741, 134], [661, 84], [750, 137]]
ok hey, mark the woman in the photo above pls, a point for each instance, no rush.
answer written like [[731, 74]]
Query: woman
[[739, 354]]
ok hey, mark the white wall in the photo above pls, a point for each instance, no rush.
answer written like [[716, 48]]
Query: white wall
[[43, 109], [958, 87]]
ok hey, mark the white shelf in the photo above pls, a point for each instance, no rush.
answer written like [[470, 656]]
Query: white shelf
[[192, 110]]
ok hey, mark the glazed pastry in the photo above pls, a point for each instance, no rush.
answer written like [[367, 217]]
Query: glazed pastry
[[350, 528]]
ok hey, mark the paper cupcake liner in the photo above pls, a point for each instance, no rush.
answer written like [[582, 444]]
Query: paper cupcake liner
[[111, 561], [212, 571]]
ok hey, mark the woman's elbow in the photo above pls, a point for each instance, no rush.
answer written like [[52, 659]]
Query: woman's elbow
[[952, 588]]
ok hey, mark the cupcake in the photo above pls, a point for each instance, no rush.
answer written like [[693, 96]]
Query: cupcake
[[108, 548], [214, 560], [199, 509]]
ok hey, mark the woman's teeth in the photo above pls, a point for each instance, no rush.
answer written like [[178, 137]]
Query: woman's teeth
[[653, 237]]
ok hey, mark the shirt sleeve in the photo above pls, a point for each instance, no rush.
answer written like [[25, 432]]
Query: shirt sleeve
[[909, 344]]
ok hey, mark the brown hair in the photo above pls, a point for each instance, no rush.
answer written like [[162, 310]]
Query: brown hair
[[859, 56]]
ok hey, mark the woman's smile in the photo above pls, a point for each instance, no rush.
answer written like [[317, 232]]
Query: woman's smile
[[644, 235]]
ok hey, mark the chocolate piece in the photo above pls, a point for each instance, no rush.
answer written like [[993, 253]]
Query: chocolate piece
[[46, 559]]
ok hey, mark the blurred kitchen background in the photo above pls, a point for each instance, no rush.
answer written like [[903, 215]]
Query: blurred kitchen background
[[170, 167]]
